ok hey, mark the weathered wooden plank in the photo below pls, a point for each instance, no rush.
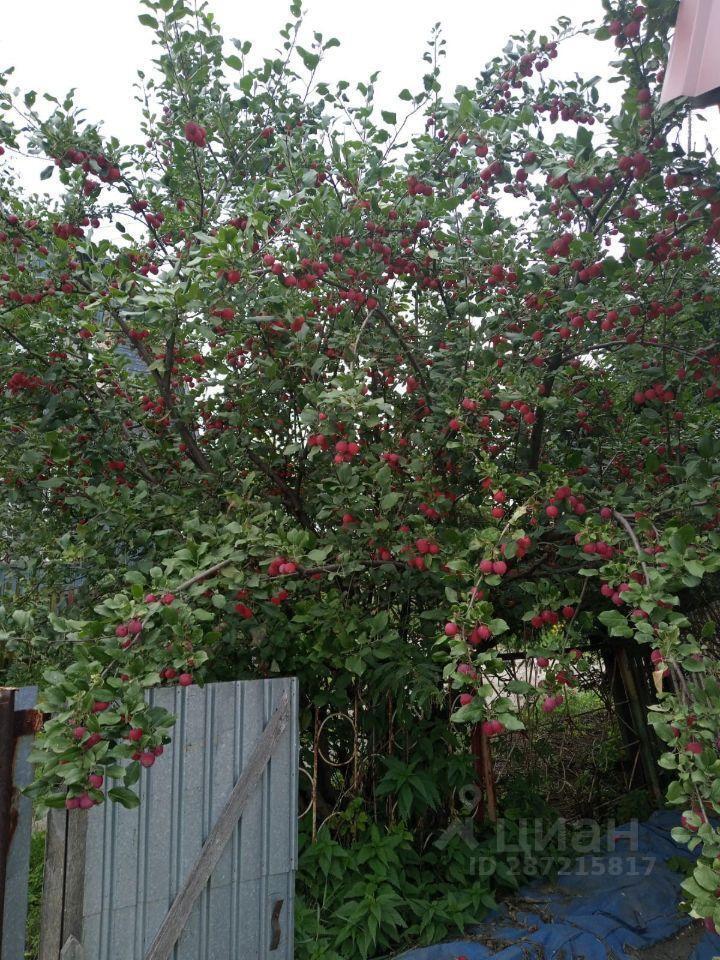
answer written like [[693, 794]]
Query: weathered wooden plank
[[51, 913], [72, 950], [12, 941], [61, 915], [282, 792], [220, 834], [74, 893]]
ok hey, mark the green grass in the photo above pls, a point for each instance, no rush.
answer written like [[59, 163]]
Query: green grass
[[37, 864]]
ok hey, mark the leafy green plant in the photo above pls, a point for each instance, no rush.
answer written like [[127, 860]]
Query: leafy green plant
[[412, 786], [389, 889], [380, 893]]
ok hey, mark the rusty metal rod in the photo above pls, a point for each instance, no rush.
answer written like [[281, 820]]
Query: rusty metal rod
[[476, 748], [488, 777]]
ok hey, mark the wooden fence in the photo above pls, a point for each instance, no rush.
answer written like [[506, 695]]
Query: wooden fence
[[203, 869]]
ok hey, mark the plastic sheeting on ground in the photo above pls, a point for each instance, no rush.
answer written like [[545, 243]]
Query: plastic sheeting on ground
[[624, 898]]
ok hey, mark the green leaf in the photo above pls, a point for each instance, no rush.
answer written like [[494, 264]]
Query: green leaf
[[132, 773], [616, 623], [311, 60], [511, 721], [637, 246], [706, 446], [203, 615], [320, 554], [692, 887], [125, 797], [147, 21], [695, 568], [706, 877], [681, 539], [355, 665]]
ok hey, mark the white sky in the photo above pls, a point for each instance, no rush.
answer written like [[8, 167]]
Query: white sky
[[97, 46]]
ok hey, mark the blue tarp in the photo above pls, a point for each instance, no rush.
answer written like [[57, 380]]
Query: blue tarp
[[624, 897]]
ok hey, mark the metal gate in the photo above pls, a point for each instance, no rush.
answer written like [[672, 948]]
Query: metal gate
[[204, 868]]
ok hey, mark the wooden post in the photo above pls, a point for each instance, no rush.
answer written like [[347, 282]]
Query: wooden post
[[624, 716], [74, 893], [647, 755], [61, 911], [53, 885], [486, 807]]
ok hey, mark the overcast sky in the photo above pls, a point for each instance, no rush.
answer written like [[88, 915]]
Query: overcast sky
[[97, 46]]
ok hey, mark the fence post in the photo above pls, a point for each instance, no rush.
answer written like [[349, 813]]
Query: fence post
[[486, 807], [53, 885], [64, 883], [7, 750], [637, 710], [74, 893]]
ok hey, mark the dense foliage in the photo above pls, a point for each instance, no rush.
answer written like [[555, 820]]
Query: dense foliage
[[300, 386]]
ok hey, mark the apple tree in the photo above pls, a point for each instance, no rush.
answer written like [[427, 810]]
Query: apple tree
[[302, 385]]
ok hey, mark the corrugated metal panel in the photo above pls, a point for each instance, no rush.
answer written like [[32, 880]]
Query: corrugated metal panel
[[18, 866], [135, 362], [137, 860], [8, 583]]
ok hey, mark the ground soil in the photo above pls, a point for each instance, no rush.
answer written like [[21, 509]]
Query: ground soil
[[679, 947]]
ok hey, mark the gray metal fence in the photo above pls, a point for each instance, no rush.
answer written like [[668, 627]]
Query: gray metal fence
[[204, 868]]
